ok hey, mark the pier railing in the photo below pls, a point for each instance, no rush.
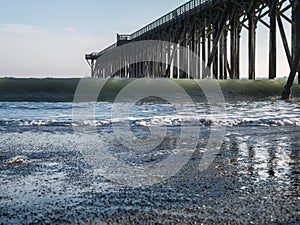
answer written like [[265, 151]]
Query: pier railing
[[180, 11]]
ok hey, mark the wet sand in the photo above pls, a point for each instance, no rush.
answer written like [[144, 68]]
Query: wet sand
[[255, 179]]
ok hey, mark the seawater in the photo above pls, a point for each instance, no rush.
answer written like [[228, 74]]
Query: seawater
[[243, 113], [260, 144]]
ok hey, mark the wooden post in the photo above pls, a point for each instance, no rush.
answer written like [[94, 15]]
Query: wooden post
[[156, 60], [252, 44], [272, 47], [216, 38], [219, 32], [136, 64], [203, 50], [208, 72], [93, 68], [153, 64], [225, 55], [126, 65], [237, 50], [221, 57], [141, 64], [296, 59], [295, 32], [195, 51], [199, 61], [172, 56], [284, 41], [163, 59], [178, 49], [188, 65], [233, 47], [144, 58], [169, 60], [185, 56], [193, 65]]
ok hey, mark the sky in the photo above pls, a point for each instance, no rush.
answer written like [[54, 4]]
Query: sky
[[42, 38]]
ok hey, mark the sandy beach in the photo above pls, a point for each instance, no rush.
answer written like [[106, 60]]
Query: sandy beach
[[248, 183]]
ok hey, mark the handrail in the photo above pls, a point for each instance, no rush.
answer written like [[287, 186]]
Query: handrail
[[187, 7], [94, 55], [123, 37]]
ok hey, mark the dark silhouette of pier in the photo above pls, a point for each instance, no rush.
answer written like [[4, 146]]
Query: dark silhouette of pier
[[211, 29]]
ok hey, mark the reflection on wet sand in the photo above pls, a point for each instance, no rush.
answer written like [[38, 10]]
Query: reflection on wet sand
[[251, 158], [294, 171], [253, 179], [275, 161]]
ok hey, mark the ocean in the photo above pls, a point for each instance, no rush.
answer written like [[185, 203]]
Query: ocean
[[147, 151]]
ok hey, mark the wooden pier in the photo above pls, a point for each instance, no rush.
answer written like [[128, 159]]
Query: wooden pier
[[211, 29]]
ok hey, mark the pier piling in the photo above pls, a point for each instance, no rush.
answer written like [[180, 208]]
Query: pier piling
[[296, 51], [212, 30]]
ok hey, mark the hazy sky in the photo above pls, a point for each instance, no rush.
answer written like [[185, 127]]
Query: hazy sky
[[43, 38], [50, 38]]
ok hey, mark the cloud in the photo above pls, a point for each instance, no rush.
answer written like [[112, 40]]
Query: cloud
[[71, 29], [21, 29]]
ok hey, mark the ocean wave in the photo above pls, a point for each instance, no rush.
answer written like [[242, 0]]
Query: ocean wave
[[202, 122], [63, 90]]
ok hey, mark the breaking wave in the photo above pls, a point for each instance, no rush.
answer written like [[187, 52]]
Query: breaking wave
[[63, 90], [169, 121]]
